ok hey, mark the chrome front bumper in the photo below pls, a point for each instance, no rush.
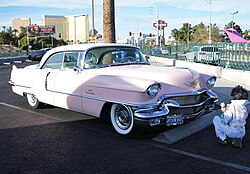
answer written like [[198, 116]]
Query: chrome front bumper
[[171, 107]]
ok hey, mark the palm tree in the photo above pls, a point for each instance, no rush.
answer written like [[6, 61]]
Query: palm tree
[[109, 21], [15, 31]]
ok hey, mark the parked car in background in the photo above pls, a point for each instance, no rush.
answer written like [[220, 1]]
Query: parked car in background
[[165, 51], [117, 82], [204, 54], [37, 56], [155, 52]]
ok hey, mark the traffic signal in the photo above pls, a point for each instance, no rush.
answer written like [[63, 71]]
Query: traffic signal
[[140, 34], [150, 34], [130, 33]]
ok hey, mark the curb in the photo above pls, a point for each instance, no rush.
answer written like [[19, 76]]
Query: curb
[[174, 135]]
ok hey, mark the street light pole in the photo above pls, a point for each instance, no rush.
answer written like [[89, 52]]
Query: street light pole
[[188, 35], [157, 24], [28, 43], [93, 20], [210, 32], [234, 13]]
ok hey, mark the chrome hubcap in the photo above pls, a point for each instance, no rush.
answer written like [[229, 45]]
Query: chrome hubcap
[[122, 117]]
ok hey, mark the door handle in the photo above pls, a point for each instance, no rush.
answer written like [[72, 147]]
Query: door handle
[[46, 81]]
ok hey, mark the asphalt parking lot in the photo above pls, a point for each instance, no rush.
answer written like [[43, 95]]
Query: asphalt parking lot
[[54, 140]]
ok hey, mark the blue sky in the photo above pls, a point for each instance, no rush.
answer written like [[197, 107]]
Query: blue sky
[[133, 15]]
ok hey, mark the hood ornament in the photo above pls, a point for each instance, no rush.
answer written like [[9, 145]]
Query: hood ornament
[[193, 84]]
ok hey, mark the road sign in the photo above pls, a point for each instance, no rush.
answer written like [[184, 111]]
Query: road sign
[[35, 30], [161, 24], [92, 38]]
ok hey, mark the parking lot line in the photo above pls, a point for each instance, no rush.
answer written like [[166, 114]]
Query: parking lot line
[[29, 111], [204, 158]]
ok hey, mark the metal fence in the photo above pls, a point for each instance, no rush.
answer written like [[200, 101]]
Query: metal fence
[[10, 51], [226, 55]]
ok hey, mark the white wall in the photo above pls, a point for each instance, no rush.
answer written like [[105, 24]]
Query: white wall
[[239, 76]]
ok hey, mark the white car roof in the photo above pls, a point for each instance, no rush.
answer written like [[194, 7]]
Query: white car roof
[[79, 47], [85, 46]]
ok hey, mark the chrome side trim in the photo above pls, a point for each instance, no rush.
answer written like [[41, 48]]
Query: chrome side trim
[[137, 106], [142, 106], [149, 111], [64, 93], [11, 83]]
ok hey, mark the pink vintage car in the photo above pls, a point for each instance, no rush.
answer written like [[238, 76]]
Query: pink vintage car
[[115, 81]]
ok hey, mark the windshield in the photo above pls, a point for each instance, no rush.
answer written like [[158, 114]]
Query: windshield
[[209, 49], [111, 56]]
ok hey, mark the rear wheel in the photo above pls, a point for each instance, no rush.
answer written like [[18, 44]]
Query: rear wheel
[[33, 101], [122, 119]]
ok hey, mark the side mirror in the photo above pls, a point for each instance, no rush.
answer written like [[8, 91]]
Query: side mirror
[[147, 57], [77, 69]]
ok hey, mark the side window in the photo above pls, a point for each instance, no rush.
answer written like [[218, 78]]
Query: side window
[[91, 60], [195, 49], [70, 60], [54, 62]]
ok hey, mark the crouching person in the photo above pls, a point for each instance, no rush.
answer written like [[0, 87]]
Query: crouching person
[[231, 124]]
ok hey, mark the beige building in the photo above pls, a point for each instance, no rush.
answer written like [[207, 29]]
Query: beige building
[[78, 28], [69, 28], [60, 24], [20, 22]]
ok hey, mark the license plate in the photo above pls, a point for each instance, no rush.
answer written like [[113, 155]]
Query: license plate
[[174, 120]]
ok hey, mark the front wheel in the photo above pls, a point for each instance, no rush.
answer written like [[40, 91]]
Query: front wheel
[[122, 119], [33, 101]]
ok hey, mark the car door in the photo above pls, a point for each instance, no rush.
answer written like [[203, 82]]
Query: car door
[[68, 82], [43, 82], [190, 55]]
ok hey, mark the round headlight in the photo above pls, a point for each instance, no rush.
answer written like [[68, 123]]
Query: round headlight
[[153, 90], [211, 82]]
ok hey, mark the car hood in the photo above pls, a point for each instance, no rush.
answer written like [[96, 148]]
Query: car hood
[[140, 77]]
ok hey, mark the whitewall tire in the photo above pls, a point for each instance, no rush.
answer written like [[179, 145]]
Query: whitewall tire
[[33, 101], [122, 119]]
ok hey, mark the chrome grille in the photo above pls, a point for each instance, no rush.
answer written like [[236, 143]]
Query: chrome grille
[[189, 99]]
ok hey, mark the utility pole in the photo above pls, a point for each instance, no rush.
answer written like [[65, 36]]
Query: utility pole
[[210, 32], [28, 43], [188, 34], [93, 19], [157, 24], [52, 43], [234, 13]]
